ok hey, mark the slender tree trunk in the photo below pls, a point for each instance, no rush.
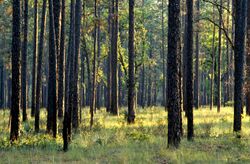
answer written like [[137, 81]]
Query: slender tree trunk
[[189, 70], [131, 81], [57, 25], [240, 20], [184, 62], [228, 60], [93, 97], [212, 68], [98, 95], [24, 61], [149, 102], [89, 75], [83, 102], [52, 100], [67, 123], [114, 59], [248, 64], [219, 59], [174, 132], [39, 66], [75, 120], [163, 54], [15, 61], [108, 65], [67, 114], [61, 63], [232, 53], [197, 40], [35, 51]]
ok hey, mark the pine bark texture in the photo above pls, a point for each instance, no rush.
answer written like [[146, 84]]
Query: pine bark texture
[[15, 61], [174, 132], [131, 81]]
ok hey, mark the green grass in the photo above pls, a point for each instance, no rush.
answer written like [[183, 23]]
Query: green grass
[[113, 141]]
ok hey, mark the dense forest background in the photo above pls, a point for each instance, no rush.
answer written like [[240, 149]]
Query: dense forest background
[[65, 62]]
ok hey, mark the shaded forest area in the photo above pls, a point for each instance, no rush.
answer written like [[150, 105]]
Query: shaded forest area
[[167, 75]]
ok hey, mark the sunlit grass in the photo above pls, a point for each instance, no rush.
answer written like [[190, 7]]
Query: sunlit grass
[[111, 140]]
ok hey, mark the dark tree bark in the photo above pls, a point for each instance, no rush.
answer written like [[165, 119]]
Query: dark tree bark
[[114, 59], [131, 80], [98, 95], [61, 62], [15, 61], [248, 64], [52, 101], [240, 20], [189, 70], [197, 44], [67, 122], [93, 96], [212, 68], [163, 54], [75, 120], [149, 101], [184, 61], [232, 53], [219, 60], [35, 51], [39, 66], [56, 16], [24, 62], [108, 64], [83, 98], [227, 87], [88, 98], [174, 132]]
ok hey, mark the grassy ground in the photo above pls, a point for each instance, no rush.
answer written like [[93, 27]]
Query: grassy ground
[[113, 141]]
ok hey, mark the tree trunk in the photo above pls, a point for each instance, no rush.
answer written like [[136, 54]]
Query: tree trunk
[[131, 80], [219, 60], [197, 40], [248, 64], [39, 67], [75, 121], [61, 63], [163, 55], [35, 51], [15, 61], [83, 102], [212, 68], [184, 61], [240, 20], [174, 132], [24, 61], [189, 71], [52, 101], [93, 96], [114, 59], [98, 95]]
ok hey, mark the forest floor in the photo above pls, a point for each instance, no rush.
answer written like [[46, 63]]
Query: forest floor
[[111, 140]]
